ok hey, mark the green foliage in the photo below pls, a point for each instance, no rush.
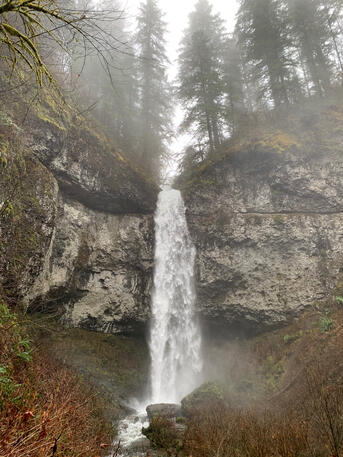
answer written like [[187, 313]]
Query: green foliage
[[312, 32], [15, 349], [8, 388], [326, 324], [339, 300], [266, 44]]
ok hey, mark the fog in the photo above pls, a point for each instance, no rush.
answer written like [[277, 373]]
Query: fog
[[176, 17]]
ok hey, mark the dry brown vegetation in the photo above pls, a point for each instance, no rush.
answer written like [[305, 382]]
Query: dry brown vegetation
[[309, 426], [44, 408]]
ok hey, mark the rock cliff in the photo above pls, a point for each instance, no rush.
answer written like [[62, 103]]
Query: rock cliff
[[267, 227], [76, 226], [77, 235], [99, 267]]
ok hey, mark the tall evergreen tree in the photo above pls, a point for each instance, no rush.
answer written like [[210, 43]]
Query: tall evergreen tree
[[267, 47], [232, 83], [201, 86], [154, 89], [312, 34], [105, 83], [332, 11]]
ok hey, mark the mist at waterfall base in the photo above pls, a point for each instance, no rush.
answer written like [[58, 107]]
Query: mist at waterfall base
[[175, 337]]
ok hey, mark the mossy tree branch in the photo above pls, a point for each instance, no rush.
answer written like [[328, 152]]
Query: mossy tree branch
[[24, 22]]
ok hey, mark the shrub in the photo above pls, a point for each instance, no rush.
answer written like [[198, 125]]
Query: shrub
[[326, 324], [224, 432], [15, 351], [42, 403]]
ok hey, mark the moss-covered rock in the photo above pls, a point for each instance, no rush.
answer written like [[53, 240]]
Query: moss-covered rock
[[208, 394], [88, 166], [164, 434], [28, 209]]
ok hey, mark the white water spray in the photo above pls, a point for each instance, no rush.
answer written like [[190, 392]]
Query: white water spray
[[175, 343]]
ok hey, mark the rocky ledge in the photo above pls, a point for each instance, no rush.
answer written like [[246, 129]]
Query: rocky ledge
[[89, 168]]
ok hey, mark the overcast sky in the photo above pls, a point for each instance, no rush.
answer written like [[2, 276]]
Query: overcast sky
[[176, 17]]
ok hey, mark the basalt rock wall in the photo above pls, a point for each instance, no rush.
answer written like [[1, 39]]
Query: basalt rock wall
[[268, 231]]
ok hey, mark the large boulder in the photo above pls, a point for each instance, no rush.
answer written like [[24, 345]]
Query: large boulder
[[207, 395], [166, 410]]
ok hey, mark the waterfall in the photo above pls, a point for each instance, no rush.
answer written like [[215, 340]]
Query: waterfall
[[175, 341]]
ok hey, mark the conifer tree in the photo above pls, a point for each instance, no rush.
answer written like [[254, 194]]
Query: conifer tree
[[232, 83], [154, 89], [267, 47], [106, 84], [201, 87], [312, 33], [332, 11]]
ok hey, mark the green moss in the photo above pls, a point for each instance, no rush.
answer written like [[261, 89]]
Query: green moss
[[207, 394], [289, 339], [277, 142], [26, 187], [44, 116]]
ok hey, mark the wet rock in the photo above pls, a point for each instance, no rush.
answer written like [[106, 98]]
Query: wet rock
[[165, 410], [90, 169]]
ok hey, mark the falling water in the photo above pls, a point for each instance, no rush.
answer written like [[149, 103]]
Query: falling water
[[175, 343]]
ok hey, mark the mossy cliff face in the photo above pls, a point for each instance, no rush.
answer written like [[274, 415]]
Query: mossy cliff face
[[76, 225], [87, 165], [28, 210], [267, 228]]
